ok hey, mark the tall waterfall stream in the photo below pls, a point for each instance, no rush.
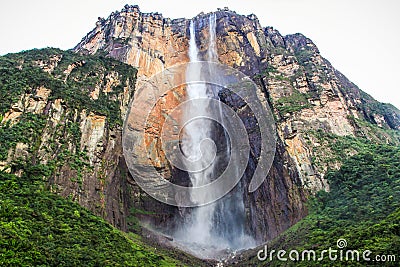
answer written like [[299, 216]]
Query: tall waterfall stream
[[217, 228]]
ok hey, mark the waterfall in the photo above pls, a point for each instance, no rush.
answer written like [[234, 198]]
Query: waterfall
[[195, 132], [220, 225], [212, 46]]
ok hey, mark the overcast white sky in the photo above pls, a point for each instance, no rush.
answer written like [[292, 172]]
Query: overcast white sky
[[360, 38]]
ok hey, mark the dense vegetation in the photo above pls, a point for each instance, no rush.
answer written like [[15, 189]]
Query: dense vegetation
[[71, 78], [362, 207], [39, 228], [22, 132], [366, 187], [22, 73], [332, 150]]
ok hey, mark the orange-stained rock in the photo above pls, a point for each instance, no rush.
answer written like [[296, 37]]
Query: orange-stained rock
[[282, 66]]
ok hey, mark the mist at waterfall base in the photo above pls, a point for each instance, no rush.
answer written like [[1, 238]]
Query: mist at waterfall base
[[219, 228]]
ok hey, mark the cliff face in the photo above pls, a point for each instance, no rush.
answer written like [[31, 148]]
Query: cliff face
[[62, 117], [280, 201], [146, 41], [305, 92], [62, 113]]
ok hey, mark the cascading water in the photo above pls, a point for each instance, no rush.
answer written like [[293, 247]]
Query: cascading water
[[195, 132], [218, 226]]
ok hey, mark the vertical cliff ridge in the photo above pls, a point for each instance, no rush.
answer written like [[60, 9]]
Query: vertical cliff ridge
[[61, 119], [306, 93]]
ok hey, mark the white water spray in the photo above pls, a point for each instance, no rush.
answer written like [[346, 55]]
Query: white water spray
[[218, 226], [196, 132]]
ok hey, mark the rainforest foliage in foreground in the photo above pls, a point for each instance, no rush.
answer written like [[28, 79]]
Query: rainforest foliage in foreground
[[362, 207], [39, 228]]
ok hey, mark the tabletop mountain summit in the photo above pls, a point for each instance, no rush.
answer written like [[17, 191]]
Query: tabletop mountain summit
[[63, 113]]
